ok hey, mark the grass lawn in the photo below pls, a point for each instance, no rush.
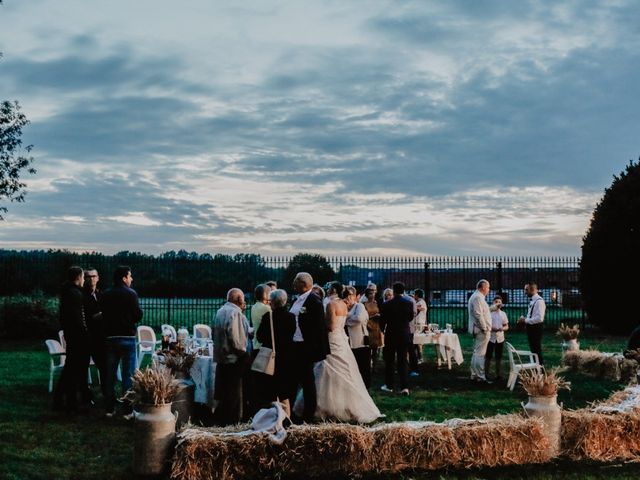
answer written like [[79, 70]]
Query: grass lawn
[[37, 443]]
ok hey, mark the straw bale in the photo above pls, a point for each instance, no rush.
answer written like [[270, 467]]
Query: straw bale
[[318, 449], [326, 449], [601, 365], [501, 440], [602, 437], [427, 446]]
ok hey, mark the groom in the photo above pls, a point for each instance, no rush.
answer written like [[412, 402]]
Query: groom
[[311, 341]]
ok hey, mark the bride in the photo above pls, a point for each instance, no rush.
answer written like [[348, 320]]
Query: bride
[[341, 393]]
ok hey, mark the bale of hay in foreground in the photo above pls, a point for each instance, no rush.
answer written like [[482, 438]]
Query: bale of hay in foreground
[[501, 440], [603, 437], [606, 431], [323, 450]]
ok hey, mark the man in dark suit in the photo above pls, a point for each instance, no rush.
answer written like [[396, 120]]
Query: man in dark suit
[[73, 379], [395, 317], [311, 341], [93, 317]]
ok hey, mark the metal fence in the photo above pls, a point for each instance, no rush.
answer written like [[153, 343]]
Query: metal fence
[[184, 289]]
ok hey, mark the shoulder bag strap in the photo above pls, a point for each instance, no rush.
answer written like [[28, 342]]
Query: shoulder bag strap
[[273, 338]]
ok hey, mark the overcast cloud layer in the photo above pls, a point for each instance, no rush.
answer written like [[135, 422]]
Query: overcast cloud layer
[[377, 127]]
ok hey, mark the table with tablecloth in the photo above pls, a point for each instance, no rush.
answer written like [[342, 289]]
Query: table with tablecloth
[[203, 373], [447, 345]]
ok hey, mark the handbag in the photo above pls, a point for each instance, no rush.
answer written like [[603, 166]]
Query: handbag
[[265, 361]]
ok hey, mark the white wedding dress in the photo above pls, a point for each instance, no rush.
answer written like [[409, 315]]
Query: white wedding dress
[[341, 393]]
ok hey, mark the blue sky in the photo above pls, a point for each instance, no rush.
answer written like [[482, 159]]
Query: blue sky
[[377, 127]]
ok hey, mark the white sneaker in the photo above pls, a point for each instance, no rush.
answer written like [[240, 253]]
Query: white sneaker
[[405, 392], [384, 388]]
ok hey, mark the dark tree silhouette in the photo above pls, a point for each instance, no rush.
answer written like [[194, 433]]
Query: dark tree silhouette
[[316, 265], [12, 161], [611, 255]]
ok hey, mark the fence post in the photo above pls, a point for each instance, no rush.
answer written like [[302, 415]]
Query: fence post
[[169, 310], [499, 278]]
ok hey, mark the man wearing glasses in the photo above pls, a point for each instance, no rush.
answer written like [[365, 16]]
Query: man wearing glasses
[[93, 316]]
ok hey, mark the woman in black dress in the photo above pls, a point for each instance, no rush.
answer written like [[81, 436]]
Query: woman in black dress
[[284, 326]]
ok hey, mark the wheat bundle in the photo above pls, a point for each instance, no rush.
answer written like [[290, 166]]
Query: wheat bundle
[[422, 445], [501, 440]]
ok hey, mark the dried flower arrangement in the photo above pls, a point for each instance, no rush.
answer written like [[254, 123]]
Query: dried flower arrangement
[[567, 332], [154, 385], [179, 361], [543, 384]]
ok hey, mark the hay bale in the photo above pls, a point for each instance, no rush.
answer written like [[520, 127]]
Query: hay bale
[[221, 454], [610, 366], [571, 359], [411, 445], [603, 437], [315, 450], [501, 440]]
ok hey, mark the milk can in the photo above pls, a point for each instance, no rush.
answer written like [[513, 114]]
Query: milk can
[[154, 438], [546, 407]]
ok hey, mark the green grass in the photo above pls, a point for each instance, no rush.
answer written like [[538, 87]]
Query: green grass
[[37, 443]]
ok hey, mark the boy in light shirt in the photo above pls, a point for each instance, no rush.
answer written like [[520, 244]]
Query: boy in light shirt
[[499, 324]]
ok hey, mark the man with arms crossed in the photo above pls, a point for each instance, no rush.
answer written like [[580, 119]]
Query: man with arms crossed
[[533, 320]]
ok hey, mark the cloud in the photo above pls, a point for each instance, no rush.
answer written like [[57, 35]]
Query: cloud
[[395, 111]]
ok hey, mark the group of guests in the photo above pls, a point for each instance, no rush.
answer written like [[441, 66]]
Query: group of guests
[[488, 323], [326, 344], [98, 325]]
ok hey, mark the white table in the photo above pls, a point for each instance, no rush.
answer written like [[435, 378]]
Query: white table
[[203, 373], [447, 345]]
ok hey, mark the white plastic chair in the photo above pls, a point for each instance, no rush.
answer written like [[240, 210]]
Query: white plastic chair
[[146, 342], [202, 333], [174, 335], [57, 356], [516, 365], [63, 344]]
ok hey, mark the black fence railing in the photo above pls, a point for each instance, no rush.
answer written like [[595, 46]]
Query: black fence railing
[[184, 289]]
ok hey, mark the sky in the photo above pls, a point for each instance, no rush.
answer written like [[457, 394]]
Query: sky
[[361, 128]]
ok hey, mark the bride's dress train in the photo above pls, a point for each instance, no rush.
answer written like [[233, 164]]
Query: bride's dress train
[[341, 393]]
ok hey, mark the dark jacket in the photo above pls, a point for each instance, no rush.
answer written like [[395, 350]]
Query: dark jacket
[[120, 311], [314, 329], [284, 326], [72, 318], [92, 313], [395, 317]]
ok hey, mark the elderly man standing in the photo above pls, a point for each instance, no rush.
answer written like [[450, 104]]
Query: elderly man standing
[[310, 342], [230, 354], [480, 327]]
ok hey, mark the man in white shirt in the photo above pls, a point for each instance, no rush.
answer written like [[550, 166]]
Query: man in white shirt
[[499, 323], [230, 353], [534, 319], [310, 342], [480, 327]]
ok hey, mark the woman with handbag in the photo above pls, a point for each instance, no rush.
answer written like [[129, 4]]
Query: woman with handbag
[[279, 324]]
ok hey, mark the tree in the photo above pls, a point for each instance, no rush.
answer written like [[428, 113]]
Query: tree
[[314, 264], [12, 163], [611, 255]]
